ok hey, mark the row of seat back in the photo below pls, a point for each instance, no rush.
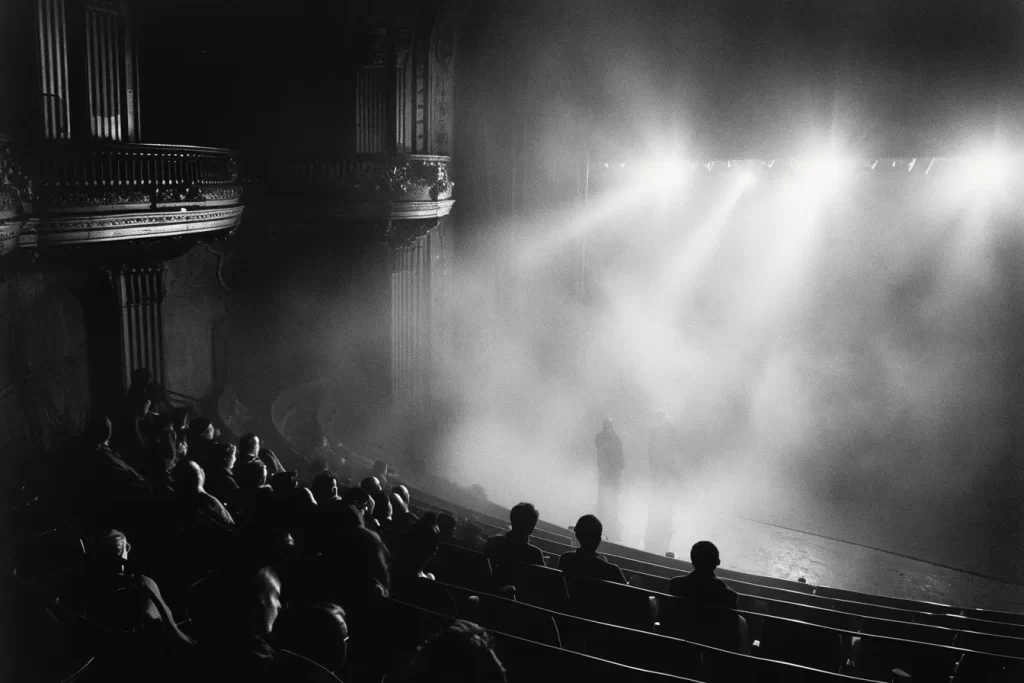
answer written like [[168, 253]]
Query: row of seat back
[[752, 598], [661, 576], [821, 647], [542, 587], [621, 554], [638, 648], [524, 659]]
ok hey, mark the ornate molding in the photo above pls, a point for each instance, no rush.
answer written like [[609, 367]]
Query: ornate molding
[[68, 230], [367, 178], [393, 210]]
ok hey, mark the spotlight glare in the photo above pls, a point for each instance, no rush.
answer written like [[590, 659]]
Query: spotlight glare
[[662, 174], [827, 169], [747, 178], [988, 172]]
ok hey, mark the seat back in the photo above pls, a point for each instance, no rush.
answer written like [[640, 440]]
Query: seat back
[[876, 657], [536, 585], [800, 643], [426, 594], [611, 602], [979, 668], [462, 567]]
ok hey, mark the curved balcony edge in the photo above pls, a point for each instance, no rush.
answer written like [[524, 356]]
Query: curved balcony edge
[[81, 229]]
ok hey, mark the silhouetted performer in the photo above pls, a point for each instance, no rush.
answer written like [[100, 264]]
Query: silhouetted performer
[[663, 454], [610, 463]]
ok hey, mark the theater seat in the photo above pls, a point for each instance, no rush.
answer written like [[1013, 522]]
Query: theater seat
[[426, 594], [517, 619], [462, 567], [979, 668], [715, 627], [801, 643], [536, 585], [878, 658], [611, 602]]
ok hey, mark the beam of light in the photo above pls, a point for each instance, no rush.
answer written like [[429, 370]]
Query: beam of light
[[697, 250], [662, 174], [825, 170]]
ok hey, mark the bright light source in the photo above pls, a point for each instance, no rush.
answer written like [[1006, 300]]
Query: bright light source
[[988, 172], [827, 169], [662, 174], [747, 178]]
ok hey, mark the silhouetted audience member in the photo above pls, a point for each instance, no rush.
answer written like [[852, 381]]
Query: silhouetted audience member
[[701, 586], [401, 518], [446, 524], [195, 496], [122, 600], [584, 562], [403, 491], [380, 471], [110, 479], [324, 487], [220, 476], [249, 448], [269, 458], [382, 510], [318, 632], [419, 546], [130, 428], [200, 441], [371, 485], [515, 546], [254, 499], [180, 416], [247, 609], [462, 652]]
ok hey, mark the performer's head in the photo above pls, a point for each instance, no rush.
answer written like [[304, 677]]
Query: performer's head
[[704, 556], [607, 425], [588, 532], [523, 518]]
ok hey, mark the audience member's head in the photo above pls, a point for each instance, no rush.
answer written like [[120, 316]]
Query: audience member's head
[[403, 491], [704, 556], [523, 518], [248, 446], [371, 485], [192, 477], [284, 483], [462, 652], [269, 458], [318, 632], [398, 506], [201, 428], [180, 418], [265, 602], [446, 524], [588, 532], [100, 430], [358, 499], [380, 470], [109, 553], [324, 487], [382, 510], [607, 425], [251, 474], [223, 454]]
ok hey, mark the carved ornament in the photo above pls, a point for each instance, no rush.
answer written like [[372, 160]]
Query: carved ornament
[[138, 225]]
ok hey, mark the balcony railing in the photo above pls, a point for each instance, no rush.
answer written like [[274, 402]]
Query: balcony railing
[[72, 192], [72, 177]]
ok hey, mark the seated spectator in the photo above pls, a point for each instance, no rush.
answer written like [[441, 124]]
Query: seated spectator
[[244, 616], [200, 441], [254, 498], [121, 600], [515, 546], [180, 421], [163, 460], [701, 585], [269, 458], [371, 485], [401, 518], [380, 471], [446, 524], [220, 477], [462, 652], [403, 491], [382, 511], [324, 487], [584, 562], [111, 478], [201, 503], [701, 617], [318, 632], [418, 547], [130, 427], [249, 448]]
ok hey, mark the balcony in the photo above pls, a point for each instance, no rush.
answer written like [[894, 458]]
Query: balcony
[[78, 193], [363, 186]]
